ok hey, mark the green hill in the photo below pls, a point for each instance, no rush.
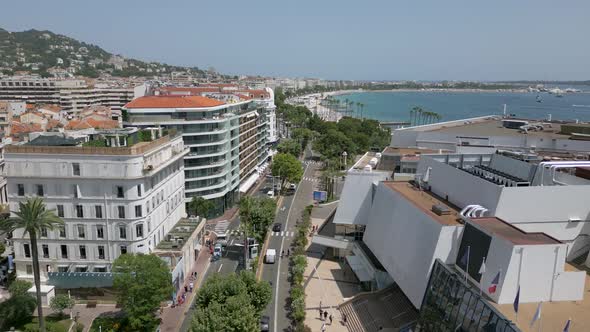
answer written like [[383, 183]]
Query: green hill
[[37, 51]]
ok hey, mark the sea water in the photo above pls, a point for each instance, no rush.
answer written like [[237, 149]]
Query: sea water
[[451, 105]]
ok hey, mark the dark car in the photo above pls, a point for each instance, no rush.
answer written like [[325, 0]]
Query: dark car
[[264, 324], [276, 227]]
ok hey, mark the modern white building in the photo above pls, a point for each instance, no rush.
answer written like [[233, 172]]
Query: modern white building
[[120, 193], [226, 135]]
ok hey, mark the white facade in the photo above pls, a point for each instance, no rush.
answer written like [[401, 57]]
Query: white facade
[[118, 200]]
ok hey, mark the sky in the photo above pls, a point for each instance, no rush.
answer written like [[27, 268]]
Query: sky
[[360, 40]]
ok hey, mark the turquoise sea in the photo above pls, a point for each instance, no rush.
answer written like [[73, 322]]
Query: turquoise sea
[[396, 105]]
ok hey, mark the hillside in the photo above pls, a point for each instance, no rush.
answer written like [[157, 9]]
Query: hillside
[[50, 54]]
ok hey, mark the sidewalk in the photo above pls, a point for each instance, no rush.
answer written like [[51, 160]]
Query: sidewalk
[[172, 318]]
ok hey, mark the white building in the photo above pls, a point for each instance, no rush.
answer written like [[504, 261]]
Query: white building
[[122, 198]]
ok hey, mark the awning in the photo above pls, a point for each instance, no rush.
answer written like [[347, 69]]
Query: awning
[[246, 185], [358, 268]]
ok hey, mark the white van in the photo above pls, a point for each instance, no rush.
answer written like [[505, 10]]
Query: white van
[[270, 256]]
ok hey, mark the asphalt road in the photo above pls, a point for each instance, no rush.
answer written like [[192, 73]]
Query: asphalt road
[[232, 259], [277, 274]]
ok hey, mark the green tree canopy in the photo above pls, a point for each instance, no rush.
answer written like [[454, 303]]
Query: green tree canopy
[[19, 287], [230, 303], [287, 167], [290, 146], [61, 302], [143, 282], [256, 215], [199, 206], [16, 311]]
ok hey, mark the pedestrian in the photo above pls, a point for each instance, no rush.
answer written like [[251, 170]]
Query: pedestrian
[[326, 315], [324, 327], [191, 286], [344, 318], [195, 274], [185, 289], [330, 319], [282, 253], [288, 252], [321, 314]]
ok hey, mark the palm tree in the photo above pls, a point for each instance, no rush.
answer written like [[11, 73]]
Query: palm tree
[[418, 114], [33, 217], [362, 106]]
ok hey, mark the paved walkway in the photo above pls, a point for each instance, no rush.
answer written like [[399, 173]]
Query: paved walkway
[[172, 318]]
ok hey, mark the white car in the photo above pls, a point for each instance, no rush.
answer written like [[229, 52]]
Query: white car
[[270, 194], [292, 186], [270, 256]]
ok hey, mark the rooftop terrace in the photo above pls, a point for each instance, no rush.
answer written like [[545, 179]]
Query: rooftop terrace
[[179, 234], [493, 127], [427, 202]]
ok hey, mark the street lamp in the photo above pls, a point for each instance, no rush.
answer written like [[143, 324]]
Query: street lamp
[[344, 155]]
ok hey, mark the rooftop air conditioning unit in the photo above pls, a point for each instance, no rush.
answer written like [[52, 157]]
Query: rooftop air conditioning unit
[[441, 210]]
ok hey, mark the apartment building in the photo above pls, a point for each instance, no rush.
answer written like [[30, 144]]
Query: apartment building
[[118, 191], [219, 129], [71, 95]]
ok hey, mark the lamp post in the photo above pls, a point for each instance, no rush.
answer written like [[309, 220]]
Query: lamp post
[[344, 155]]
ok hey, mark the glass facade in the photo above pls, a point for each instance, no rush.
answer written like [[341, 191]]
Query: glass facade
[[451, 304]]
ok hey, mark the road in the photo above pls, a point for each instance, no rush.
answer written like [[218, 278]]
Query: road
[[232, 259], [277, 274]]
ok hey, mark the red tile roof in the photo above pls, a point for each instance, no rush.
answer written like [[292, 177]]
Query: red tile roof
[[90, 122], [173, 102], [188, 90]]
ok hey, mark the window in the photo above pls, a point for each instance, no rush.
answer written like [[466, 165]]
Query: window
[[123, 249], [62, 231], [60, 211], [64, 251], [79, 211], [45, 249], [121, 211], [43, 232], [20, 189], [62, 269], [147, 207], [27, 250], [139, 230], [76, 191], [99, 232], [149, 226], [120, 193], [100, 252], [98, 211], [39, 188], [100, 269], [82, 252], [139, 190], [138, 211], [122, 232], [76, 169], [81, 231], [29, 269]]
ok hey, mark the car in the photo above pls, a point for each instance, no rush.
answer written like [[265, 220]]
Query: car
[[270, 194], [270, 256], [217, 250], [292, 186], [264, 324], [276, 227]]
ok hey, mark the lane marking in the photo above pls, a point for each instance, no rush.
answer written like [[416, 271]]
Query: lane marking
[[280, 260], [219, 269]]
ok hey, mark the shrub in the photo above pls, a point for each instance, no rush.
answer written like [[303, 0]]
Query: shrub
[[19, 287], [61, 302], [16, 311]]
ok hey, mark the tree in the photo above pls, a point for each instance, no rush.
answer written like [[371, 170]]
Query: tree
[[199, 206], [19, 287], [2, 248], [15, 311], [290, 146], [287, 167], [61, 302], [230, 303], [256, 215], [33, 216], [142, 282]]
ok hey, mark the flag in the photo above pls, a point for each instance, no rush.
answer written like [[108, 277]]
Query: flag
[[516, 299], [537, 315], [567, 325], [494, 284], [482, 269]]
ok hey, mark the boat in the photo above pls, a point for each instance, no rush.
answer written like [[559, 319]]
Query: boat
[[539, 100]]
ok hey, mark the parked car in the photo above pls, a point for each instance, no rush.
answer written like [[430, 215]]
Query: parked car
[[292, 186], [270, 194], [276, 227], [264, 324], [217, 250]]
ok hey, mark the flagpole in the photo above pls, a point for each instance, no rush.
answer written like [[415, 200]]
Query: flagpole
[[518, 281]]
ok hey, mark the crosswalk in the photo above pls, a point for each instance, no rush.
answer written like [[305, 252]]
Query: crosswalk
[[312, 162], [284, 234], [305, 178], [221, 227]]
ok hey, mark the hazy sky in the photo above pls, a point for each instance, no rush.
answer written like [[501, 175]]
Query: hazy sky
[[370, 40]]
